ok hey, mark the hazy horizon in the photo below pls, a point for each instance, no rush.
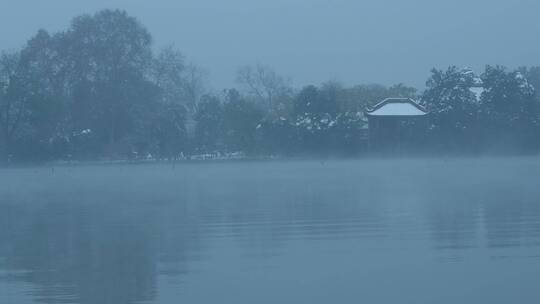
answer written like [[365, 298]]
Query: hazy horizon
[[129, 175], [382, 42]]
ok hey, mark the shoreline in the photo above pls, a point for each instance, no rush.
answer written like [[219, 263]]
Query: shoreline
[[322, 159]]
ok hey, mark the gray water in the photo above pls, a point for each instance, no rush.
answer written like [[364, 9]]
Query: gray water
[[369, 231]]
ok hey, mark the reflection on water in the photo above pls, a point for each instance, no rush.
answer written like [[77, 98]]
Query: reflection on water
[[407, 231]]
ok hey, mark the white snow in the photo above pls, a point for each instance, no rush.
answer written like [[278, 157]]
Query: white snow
[[397, 109], [477, 91]]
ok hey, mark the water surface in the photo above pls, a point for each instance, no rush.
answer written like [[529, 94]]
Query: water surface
[[367, 231]]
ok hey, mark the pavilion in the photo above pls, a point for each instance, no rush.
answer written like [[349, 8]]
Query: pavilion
[[396, 124]]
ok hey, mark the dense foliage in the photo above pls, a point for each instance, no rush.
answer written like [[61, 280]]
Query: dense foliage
[[496, 111], [98, 90]]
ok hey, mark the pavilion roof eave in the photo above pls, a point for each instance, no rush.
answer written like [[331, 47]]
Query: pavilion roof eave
[[397, 107], [399, 116]]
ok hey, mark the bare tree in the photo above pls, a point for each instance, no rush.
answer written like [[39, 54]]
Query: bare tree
[[167, 74], [265, 86], [180, 83], [194, 85]]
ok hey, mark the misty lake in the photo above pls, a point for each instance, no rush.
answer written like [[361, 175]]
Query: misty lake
[[335, 231]]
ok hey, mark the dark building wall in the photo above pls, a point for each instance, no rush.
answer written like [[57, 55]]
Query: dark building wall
[[397, 134]]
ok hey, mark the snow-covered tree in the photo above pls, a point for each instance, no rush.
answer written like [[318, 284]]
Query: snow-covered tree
[[509, 109], [453, 104]]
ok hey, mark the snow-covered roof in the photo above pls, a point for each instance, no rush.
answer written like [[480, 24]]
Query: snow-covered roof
[[397, 107]]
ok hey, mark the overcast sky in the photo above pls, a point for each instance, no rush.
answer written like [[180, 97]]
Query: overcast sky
[[311, 41]]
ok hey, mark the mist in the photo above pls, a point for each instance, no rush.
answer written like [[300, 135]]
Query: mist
[[384, 42], [289, 232], [102, 89], [296, 151]]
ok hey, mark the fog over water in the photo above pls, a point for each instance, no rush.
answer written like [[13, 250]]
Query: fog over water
[[373, 230], [312, 41], [178, 210]]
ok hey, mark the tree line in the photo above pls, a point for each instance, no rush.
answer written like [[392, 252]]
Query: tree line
[[98, 90], [497, 111]]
